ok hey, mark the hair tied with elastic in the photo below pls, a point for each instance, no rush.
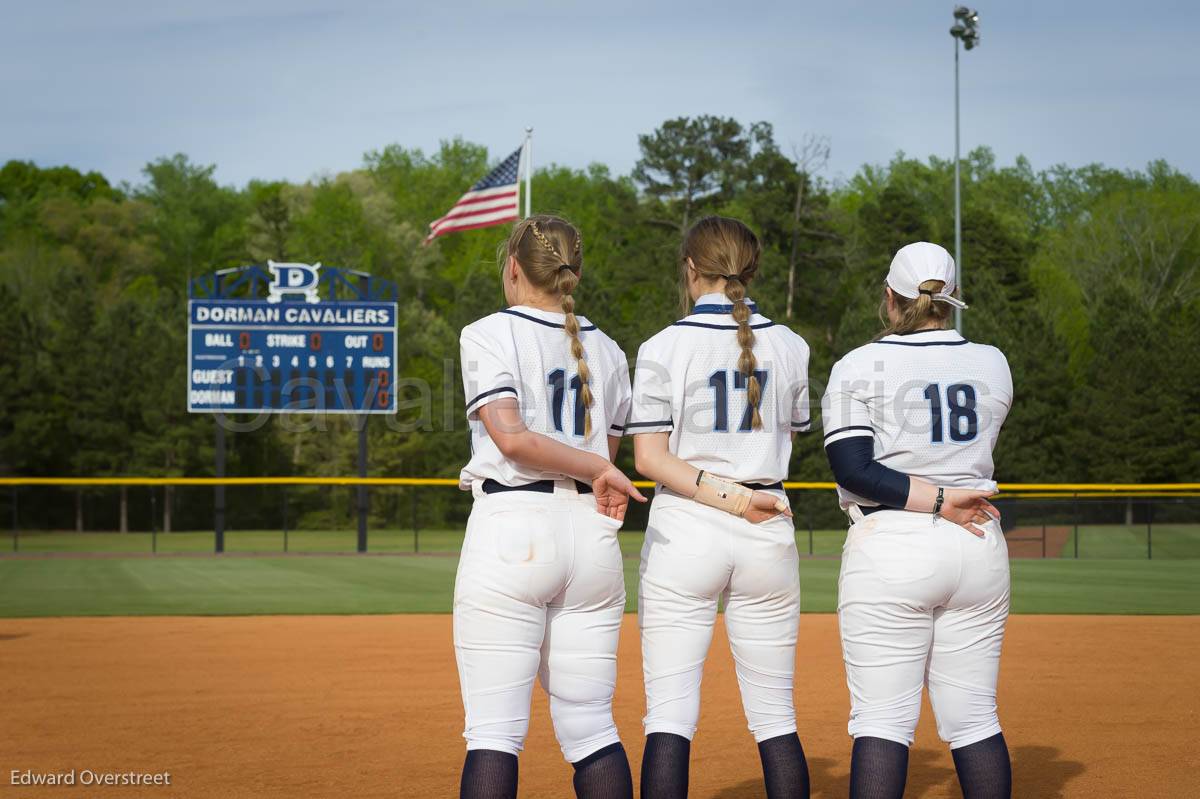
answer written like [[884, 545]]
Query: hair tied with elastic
[[926, 292], [568, 267]]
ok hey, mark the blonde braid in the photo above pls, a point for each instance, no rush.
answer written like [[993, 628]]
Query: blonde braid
[[545, 242], [547, 269], [735, 291], [567, 281]]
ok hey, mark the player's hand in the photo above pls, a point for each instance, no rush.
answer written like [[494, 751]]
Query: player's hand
[[764, 506], [613, 490], [969, 508]]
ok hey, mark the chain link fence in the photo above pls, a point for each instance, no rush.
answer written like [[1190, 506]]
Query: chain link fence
[[426, 516]]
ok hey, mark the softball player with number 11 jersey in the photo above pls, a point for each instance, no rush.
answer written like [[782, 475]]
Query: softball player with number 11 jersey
[[540, 589]]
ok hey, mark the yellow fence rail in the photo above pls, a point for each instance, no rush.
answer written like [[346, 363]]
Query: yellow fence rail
[[1037, 489]]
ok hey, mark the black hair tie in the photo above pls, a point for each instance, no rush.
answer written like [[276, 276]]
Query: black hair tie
[[927, 292]]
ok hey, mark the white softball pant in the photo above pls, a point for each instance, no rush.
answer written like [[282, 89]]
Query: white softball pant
[[922, 601], [539, 592], [692, 557]]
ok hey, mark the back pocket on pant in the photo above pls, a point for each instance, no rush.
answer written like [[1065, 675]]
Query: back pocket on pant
[[605, 542], [897, 558], [523, 537]]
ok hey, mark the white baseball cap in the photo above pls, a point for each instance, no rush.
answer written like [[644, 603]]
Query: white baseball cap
[[915, 263]]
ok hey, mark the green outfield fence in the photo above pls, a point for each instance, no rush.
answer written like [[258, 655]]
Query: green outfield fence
[[99, 516]]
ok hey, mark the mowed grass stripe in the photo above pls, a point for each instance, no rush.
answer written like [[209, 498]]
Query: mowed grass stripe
[[1098, 542], [341, 585]]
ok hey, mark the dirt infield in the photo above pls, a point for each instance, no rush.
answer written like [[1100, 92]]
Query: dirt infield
[[368, 706]]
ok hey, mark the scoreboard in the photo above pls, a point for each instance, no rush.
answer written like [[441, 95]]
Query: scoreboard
[[291, 357]]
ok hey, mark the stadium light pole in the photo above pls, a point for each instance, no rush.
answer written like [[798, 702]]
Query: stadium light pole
[[965, 30]]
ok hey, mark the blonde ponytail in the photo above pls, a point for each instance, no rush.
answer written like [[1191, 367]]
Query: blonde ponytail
[[735, 291], [718, 247], [538, 243], [915, 314], [567, 281]]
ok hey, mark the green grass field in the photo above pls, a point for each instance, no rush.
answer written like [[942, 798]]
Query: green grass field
[[1112, 574], [824, 542], [341, 584], [1102, 542], [1170, 541]]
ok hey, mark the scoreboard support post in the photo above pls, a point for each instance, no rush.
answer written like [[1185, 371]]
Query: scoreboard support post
[[362, 489], [219, 489], [291, 338]]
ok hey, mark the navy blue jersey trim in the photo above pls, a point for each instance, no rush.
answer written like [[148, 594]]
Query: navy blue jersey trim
[[616, 427], [664, 422], [722, 309], [685, 323], [850, 427], [500, 390], [924, 343], [511, 312]]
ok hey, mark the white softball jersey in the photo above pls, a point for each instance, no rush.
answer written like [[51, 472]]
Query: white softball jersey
[[687, 383], [539, 592], [933, 401], [524, 353]]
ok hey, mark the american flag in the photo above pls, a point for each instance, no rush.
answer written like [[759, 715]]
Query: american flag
[[491, 201]]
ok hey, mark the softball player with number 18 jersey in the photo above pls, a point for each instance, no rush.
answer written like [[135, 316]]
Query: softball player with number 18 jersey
[[717, 397], [911, 420], [540, 589]]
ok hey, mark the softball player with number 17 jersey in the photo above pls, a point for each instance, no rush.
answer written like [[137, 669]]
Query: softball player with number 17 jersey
[[717, 397], [911, 420]]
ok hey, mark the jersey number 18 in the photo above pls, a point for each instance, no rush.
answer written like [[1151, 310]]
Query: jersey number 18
[[960, 402]]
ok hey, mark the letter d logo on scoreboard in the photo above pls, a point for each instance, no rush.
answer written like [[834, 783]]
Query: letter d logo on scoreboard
[[290, 278]]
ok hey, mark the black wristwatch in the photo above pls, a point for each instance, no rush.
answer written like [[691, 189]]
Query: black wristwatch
[[937, 503]]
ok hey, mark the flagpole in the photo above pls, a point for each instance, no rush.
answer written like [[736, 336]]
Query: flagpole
[[528, 172]]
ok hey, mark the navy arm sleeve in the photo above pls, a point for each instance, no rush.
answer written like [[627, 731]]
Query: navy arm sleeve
[[856, 470]]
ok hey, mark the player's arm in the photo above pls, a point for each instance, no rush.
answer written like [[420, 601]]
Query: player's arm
[[507, 430], [856, 470], [655, 461], [850, 448]]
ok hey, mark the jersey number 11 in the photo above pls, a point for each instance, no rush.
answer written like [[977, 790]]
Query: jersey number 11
[[558, 391]]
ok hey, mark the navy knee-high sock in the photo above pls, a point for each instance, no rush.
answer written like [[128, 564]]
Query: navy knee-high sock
[[984, 770], [665, 766], [785, 771], [604, 774], [489, 774], [878, 769]]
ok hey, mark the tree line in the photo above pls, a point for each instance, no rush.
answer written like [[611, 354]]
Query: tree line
[[1085, 276]]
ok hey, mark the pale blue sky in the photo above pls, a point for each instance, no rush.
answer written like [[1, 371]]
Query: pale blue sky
[[274, 89]]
